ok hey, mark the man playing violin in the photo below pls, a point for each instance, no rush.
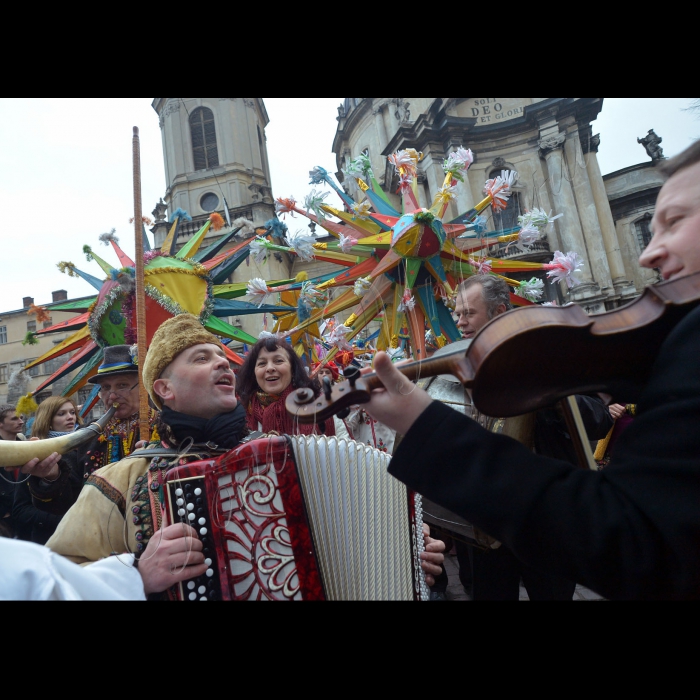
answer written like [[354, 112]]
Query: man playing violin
[[631, 531]]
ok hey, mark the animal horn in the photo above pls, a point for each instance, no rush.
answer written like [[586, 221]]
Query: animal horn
[[18, 453]]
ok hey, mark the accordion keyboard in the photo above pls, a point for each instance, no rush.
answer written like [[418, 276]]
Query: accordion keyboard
[[189, 500]]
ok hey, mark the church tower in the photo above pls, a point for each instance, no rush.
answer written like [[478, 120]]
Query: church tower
[[215, 155]]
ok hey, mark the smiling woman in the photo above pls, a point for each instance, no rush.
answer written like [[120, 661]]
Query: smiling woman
[[271, 371]]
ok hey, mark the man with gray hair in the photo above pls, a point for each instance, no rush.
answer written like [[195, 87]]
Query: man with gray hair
[[479, 299]]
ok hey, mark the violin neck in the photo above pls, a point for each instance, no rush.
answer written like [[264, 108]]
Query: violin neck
[[450, 363]]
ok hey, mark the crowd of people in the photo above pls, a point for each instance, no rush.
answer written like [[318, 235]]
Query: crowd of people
[[629, 529]]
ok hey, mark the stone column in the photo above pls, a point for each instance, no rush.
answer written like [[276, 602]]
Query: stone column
[[588, 214], [623, 287], [569, 225]]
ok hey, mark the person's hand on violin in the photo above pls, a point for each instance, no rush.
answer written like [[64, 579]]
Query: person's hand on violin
[[399, 402]]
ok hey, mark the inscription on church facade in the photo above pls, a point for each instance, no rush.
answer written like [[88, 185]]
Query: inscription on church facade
[[488, 110]]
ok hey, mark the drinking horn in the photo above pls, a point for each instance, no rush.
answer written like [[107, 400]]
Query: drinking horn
[[17, 453]]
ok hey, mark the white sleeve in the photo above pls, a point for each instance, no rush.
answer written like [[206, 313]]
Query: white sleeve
[[30, 571]]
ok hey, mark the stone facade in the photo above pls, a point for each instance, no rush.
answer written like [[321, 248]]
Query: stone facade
[[549, 141], [14, 326]]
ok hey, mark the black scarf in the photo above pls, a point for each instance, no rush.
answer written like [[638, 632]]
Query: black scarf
[[224, 430]]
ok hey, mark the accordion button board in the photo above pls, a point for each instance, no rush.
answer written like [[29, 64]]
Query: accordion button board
[[300, 518], [189, 498]]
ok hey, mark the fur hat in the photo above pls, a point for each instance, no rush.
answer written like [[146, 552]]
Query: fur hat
[[172, 337], [117, 360]]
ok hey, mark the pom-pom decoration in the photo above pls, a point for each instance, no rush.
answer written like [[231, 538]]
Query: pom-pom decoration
[[362, 210], [564, 267], [285, 205], [302, 245], [257, 288], [338, 335], [458, 162], [361, 286], [259, 250], [537, 218], [347, 242], [482, 267], [314, 201], [499, 188], [107, 238], [531, 289]]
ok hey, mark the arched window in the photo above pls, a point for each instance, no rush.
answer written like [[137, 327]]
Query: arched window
[[508, 217], [203, 133], [643, 227]]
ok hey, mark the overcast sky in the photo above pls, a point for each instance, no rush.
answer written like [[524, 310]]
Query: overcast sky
[[66, 171]]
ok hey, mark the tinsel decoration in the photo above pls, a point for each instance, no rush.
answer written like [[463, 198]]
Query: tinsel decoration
[[27, 406], [107, 238], [246, 225], [17, 385], [67, 268], [88, 252], [276, 228], [42, 315], [30, 339], [217, 221], [180, 214]]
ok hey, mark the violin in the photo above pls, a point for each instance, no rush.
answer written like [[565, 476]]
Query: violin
[[531, 357]]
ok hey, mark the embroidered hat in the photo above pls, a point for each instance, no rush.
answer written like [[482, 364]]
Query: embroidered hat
[[117, 360], [172, 337]]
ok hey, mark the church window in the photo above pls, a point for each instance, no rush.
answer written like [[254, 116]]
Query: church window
[[643, 231], [3, 335], [209, 202], [31, 326], [203, 133]]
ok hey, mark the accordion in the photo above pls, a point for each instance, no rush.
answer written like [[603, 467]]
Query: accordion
[[300, 518]]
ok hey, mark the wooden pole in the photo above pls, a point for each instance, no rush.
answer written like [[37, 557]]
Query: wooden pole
[[144, 428]]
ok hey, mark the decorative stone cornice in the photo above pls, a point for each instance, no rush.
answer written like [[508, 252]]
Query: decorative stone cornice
[[551, 143]]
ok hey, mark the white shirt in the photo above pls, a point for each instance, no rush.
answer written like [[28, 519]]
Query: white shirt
[[31, 571]]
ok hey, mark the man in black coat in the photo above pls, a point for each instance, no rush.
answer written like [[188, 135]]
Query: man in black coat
[[10, 426], [631, 531]]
